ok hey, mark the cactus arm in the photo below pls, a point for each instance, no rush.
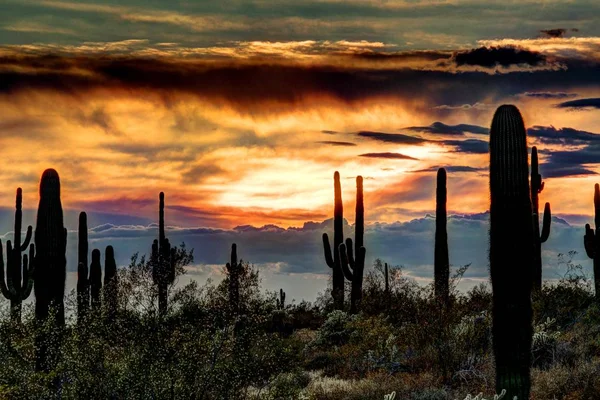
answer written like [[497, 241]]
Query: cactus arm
[[327, 249], [3, 288], [28, 271], [546, 224], [344, 261], [9, 268], [589, 241], [25, 244], [350, 252]]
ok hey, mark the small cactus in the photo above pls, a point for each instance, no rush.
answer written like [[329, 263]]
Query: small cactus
[[95, 280], [333, 259], [234, 269], [19, 277], [281, 300], [83, 281], [110, 283], [353, 265], [537, 185]]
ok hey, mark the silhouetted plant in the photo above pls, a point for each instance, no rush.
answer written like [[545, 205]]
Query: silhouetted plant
[[96, 281], [19, 277], [511, 232], [110, 283], [51, 267], [333, 259], [163, 260], [441, 258], [591, 241], [387, 288], [234, 269], [281, 300], [353, 265], [83, 280], [537, 185]]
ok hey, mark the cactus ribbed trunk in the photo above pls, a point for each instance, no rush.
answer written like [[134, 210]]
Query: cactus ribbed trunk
[[332, 258], [511, 252], [96, 281], [353, 265], [234, 270], [591, 241], [19, 277], [110, 283], [83, 283], [441, 258], [537, 185], [163, 260], [51, 267]]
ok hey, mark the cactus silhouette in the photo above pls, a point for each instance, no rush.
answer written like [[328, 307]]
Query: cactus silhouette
[[441, 259], [19, 277], [537, 185], [234, 268], [511, 252], [281, 300], [110, 283], [163, 260], [83, 282], [51, 265], [591, 241], [95, 280], [387, 287], [353, 265], [333, 260]]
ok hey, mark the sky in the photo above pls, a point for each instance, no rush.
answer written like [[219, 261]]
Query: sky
[[241, 111]]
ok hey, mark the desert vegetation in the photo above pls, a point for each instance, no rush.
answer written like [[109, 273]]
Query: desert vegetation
[[133, 333]]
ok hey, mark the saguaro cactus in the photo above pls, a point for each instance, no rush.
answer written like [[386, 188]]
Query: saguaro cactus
[[591, 241], [511, 252], [163, 260], [537, 185], [441, 259], [333, 259], [110, 283], [281, 300], [50, 261], [19, 277], [234, 268], [83, 281], [354, 266], [96, 280]]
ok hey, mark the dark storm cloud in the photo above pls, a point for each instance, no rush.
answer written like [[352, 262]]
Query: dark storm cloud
[[558, 171], [336, 143], [469, 146], [565, 163], [451, 168], [580, 104], [391, 156], [548, 95], [397, 138], [554, 33], [565, 136], [439, 128], [499, 56]]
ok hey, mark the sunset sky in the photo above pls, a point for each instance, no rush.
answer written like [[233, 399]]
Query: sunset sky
[[240, 111]]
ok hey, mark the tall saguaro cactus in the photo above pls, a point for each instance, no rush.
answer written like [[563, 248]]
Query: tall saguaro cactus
[[163, 260], [353, 265], [19, 277], [441, 259], [511, 252], [234, 268], [83, 281], [591, 241], [537, 185], [333, 259], [50, 262], [110, 283]]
